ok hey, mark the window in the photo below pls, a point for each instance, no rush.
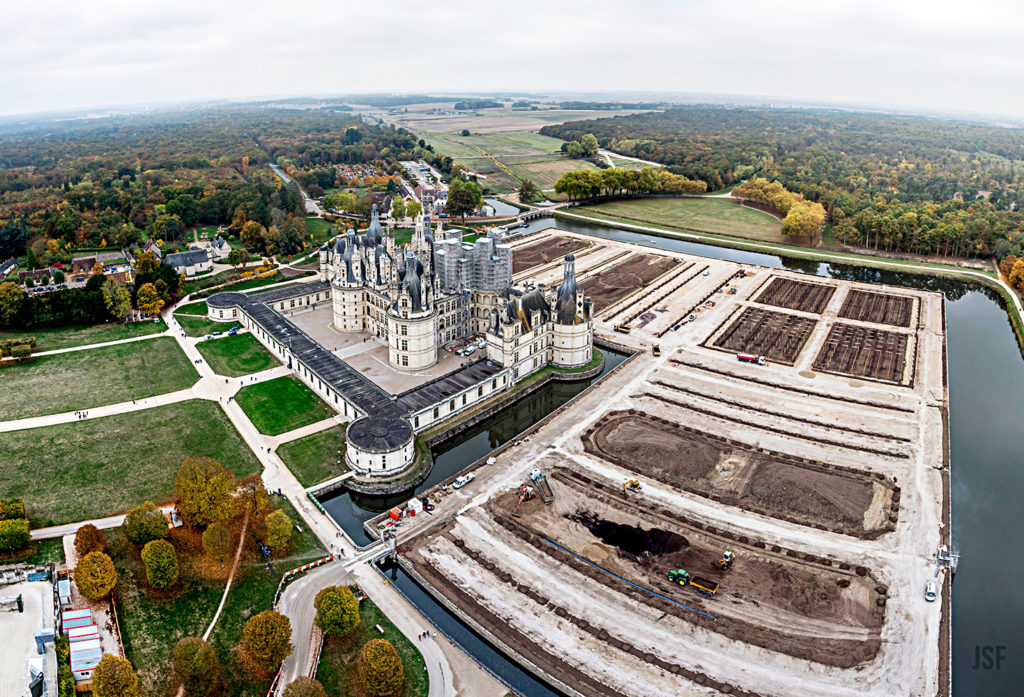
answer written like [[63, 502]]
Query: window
[[480, 391], [405, 330], [416, 422], [405, 345], [463, 399], [494, 384], [435, 412], [451, 405], [405, 360]]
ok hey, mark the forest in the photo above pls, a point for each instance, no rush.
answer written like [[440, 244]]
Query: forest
[[886, 182], [113, 182]]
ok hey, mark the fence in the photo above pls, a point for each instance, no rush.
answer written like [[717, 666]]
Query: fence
[[288, 575]]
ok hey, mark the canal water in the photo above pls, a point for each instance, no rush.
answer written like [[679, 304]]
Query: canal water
[[500, 207], [986, 385]]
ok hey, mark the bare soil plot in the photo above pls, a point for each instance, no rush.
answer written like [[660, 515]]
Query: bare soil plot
[[786, 602], [824, 496], [616, 282], [778, 335], [863, 352], [548, 249], [879, 308], [797, 295]]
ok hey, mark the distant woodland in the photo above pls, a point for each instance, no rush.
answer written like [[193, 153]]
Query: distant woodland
[[893, 183], [114, 182]]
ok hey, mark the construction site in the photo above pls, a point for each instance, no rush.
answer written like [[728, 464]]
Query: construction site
[[751, 504]]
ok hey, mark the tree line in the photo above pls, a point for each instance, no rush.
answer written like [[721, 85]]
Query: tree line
[[801, 218], [589, 183], [894, 183]]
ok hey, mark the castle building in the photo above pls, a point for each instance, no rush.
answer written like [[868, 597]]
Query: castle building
[[416, 298]]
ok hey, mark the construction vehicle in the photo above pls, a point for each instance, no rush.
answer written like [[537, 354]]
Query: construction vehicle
[[703, 586], [542, 485], [656, 350], [631, 485], [525, 494], [751, 358], [726, 561]]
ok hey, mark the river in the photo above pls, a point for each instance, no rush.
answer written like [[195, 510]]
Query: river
[[986, 382]]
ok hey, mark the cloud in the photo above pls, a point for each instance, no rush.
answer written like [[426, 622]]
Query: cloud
[[935, 55]]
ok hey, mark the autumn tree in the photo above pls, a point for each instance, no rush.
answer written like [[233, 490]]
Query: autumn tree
[[196, 666], [114, 677], [804, 219], [95, 575], [149, 300], [1016, 278], [305, 687], [253, 235], [251, 496], [161, 563], [144, 523], [337, 611], [279, 530], [204, 489], [11, 298], [527, 191], [217, 541], [147, 263], [1006, 265], [380, 668], [14, 533], [116, 298], [413, 208], [238, 258], [89, 538], [267, 641]]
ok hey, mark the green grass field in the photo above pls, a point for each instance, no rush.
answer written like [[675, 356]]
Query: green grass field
[[91, 378], [197, 308], [338, 664], [236, 355], [153, 625], [53, 338], [199, 326], [100, 467], [719, 216], [314, 458], [41, 552], [281, 405], [545, 171]]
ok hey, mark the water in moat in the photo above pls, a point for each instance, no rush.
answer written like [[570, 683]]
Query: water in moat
[[986, 385]]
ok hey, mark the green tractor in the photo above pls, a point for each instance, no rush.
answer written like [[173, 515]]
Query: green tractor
[[680, 576]]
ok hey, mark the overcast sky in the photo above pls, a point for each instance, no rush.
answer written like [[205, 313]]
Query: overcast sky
[[926, 54]]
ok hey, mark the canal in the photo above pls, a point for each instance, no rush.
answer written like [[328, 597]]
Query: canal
[[986, 382]]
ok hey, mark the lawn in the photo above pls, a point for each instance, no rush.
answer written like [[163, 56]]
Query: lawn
[[197, 308], [153, 625], [719, 216], [281, 405], [41, 552], [314, 458], [64, 382], [338, 662], [101, 467], [53, 338], [199, 326], [236, 355]]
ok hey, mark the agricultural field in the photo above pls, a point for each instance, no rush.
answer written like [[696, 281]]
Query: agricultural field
[[496, 120], [281, 405], [236, 355], [100, 467], [64, 382], [54, 338], [314, 458], [720, 216], [546, 171]]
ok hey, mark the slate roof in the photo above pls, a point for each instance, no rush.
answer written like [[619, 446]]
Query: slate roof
[[189, 258], [445, 386]]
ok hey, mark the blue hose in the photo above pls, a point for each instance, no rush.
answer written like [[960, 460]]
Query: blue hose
[[645, 590]]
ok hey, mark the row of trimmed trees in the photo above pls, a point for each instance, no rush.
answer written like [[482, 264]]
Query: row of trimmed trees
[[591, 183], [802, 218]]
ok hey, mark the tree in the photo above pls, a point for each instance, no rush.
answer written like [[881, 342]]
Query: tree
[[217, 541], [340, 201], [574, 150], [144, 523], [267, 641], [252, 495], [305, 687], [204, 490], [527, 191], [147, 263], [413, 208], [149, 300], [196, 666], [58, 276], [238, 258], [89, 538], [114, 677], [116, 298], [589, 144], [465, 132], [14, 534], [95, 575], [380, 669], [161, 564], [253, 235], [1016, 278], [11, 299], [398, 208], [279, 530], [337, 611], [463, 197], [1006, 265]]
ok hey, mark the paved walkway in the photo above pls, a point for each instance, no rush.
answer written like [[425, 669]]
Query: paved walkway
[[113, 521], [97, 412], [86, 347]]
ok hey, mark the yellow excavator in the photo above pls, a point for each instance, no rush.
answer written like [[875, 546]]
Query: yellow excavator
[[631, 485]]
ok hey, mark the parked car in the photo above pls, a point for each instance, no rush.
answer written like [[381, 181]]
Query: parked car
[[217, 333], [931, 591], [208, 337], [232, 331], [463, 480]]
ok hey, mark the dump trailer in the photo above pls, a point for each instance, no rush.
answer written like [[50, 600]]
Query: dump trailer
[[543, 486], [704, 586]]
